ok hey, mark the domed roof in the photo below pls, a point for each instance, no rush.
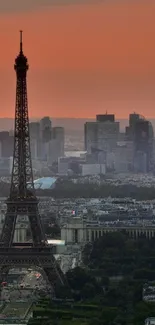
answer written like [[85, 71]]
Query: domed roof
[[45, 183]]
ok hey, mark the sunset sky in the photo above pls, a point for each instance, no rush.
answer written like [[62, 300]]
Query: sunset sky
[[85, 56]]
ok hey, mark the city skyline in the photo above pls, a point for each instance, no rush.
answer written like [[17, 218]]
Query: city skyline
[[78, 69]]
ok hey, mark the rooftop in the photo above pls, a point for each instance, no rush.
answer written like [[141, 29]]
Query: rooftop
[[44, 183]]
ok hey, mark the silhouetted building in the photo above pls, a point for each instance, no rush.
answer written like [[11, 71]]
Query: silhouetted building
[[102, 135], [130, 130], [45, 135], [6, 166], [58, 133], [46, 129], [70, 165], [56, 145], [143, 141], [124, 157], [133, 119], [140, 131], [34, 130], [6, 141], [105, 118], [35, 140]]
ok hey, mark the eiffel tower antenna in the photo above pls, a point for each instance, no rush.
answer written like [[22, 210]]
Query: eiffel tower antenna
[[21, 41]]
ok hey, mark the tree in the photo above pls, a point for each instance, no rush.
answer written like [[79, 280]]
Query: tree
[[88, 291], [78, 277], [144, 274]]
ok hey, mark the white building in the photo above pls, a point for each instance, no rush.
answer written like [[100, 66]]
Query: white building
[[77, 231], [150, 321]]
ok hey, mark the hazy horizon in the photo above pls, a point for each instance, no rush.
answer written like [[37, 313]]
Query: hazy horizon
[[70, 124]]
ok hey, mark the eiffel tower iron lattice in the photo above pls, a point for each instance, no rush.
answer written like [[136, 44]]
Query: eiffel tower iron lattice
[[22, 199]]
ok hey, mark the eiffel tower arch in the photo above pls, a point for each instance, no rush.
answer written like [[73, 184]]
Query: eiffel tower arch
[[22, 199]]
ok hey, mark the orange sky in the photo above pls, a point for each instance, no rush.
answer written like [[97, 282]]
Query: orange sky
[[84, 59]]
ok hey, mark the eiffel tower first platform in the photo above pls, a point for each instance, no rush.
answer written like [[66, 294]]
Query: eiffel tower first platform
[[22, 199]]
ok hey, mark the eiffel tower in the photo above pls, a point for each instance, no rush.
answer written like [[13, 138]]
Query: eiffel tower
[[22, 199]]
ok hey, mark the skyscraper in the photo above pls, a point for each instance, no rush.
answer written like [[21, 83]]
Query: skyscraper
[[56, 145], [35, 140], [101, 135], [143, 141], [6, 141], [140, 131], [46, 129], [45, 135]]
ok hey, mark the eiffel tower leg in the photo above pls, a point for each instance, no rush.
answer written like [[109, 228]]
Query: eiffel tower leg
[[8, 229], [55, 274], [55, 277], [3, 273], [36, 228], [3, 277]]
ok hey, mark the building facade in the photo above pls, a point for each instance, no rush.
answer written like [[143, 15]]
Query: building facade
[[76, 231]]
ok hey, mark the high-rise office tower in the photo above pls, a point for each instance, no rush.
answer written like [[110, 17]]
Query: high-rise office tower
[[133, 119], [45, 135], [6, 141], [129, 130], [140, 131], [56, 145], [46, 129], [124, 157], [35, 130], [105, 118], [143, 142], [101, 135], [58, 133], [35, 140]]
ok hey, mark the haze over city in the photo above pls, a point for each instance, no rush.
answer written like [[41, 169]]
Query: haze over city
[[77, 162], [85, 56]]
